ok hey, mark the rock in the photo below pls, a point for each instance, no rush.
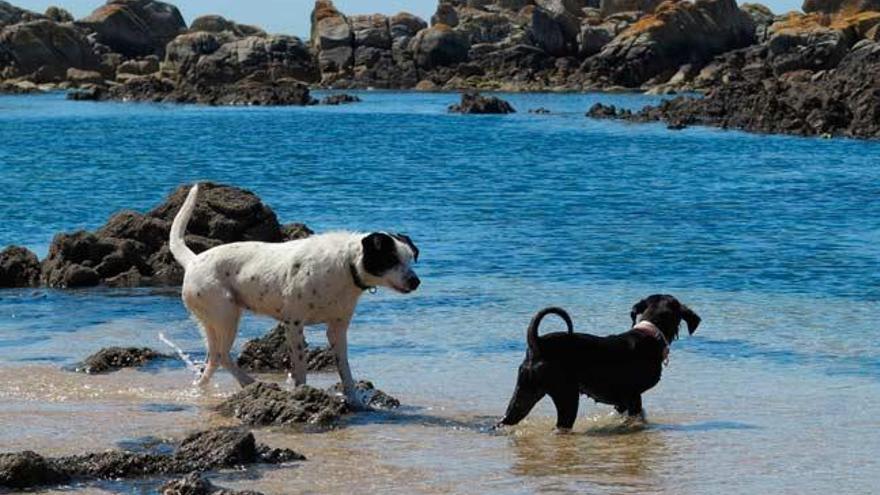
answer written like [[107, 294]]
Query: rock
[[406, 25], [254, 59], [763, 18], [474, 103], [58, 14], [371, 31], [27, 469], [332, 38], [539, 111], [339, 99], [196, 484], [247, 92], [611, 7], [219, 448], [376, 398], [18, 268], [271, 353], [79, 76], [136, 27], [548, 33], [439, 46], [427, 85], [135, 241], [147, 65], [802, 42], [445, 14], [836, 102], [840, 6], [602, 111], [219, 24], [115, 358], [655, 47], [43, 51], [10, 14], [264, 404], [183, 52], [294, 231]]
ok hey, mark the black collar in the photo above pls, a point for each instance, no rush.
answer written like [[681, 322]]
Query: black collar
[[357, 278]]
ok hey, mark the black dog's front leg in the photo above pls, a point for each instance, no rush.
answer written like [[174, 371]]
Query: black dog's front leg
[[632, 407], [566, 401]]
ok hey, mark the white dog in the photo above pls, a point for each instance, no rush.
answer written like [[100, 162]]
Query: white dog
[[304, 282]]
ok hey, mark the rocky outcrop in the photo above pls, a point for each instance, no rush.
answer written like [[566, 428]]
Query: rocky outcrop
[[847, 7], [115, 358], [474, 103], [207, 450], [339, 99], [332, 38], [136, 27], [43, 51], [837, 102], [132, 248], [439, 46], [18, 268], [271, 353], [266, 404], [653, 49], [219, 24], [610, 7]]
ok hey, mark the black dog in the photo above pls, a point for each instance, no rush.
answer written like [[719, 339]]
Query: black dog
[[614, 370]]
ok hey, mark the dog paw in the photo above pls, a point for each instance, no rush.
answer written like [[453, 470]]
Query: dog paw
[[359, 399]]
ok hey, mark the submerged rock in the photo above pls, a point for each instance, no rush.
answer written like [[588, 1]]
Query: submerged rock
[[206, 450], [271, 353], [115, 358], [474, 103], [339, 99], [18, 268], [196, 484], [267, 404]]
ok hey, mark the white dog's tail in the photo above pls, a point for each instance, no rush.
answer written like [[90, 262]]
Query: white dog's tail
[[177, 243]]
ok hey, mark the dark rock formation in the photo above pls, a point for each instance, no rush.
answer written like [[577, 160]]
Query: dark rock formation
[[282, 92], [219, 24], [837, 102], [265, 404], [840, 6], [116, 358], [271, 353], [196, 484], [439, 46], [207, 450], [132, 248], [18, 268], [58, 14], [43, 51], [10, 14], [474, 103], [339, 99], [136, 27]]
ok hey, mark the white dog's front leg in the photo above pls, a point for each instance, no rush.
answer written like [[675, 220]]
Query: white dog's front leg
[[296, 341], [337, 336]]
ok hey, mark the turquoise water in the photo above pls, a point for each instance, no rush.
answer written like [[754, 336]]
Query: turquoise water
[[773, 240]]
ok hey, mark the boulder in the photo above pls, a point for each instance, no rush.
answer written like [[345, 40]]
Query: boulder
[[474, 103], [252, 91], [134, 246], [18, 268], [44, 50], [27, 469], [439, 46], [271, 354], [801, 42], [611, 7], [219, 24], [115, 358], [655, 47], [80, 77], [10, 14], [136, 27], [763, 18], [196, 484], [371, 31], [339, 99], [548, 33], [445, 14], [183, 52], [405, 25], [58, 14], [267, 404], [142, 67], [270, 58], [847, 7], [332, 38]]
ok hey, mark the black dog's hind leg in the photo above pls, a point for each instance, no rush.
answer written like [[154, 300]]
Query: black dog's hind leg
[[633, 408], [566, 401]]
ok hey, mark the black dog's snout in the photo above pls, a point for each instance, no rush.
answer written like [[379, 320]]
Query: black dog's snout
[[413, 282]]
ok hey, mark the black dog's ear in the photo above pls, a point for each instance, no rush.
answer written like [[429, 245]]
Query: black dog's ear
[[692, 319], [406, 240], [637, 309], [380, 253]]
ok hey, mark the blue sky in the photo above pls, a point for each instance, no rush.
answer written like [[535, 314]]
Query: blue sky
[[290, 16]]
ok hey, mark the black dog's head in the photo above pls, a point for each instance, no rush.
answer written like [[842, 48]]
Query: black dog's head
[[387, 261], [666, 312], [537, 376]]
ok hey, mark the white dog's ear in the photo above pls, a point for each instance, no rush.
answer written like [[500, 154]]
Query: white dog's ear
[[406, 240], [380, 253]]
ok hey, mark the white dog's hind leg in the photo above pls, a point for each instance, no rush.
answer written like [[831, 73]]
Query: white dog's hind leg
[[297, 342]]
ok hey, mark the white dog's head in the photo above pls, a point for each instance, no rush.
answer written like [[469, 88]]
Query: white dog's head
[[387, 261]]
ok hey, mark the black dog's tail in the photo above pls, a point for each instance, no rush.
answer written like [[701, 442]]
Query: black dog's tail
[[532, 333]]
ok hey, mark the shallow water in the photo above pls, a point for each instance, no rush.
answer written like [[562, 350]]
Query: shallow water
[[771, 239]]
